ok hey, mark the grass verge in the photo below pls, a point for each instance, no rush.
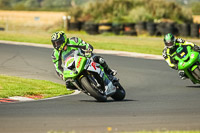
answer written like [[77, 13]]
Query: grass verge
[[143, 44], [139, 44], [16, 86]]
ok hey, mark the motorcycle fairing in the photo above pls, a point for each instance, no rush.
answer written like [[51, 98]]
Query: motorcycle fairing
[[186, 57], [74, 66], [188, 60]]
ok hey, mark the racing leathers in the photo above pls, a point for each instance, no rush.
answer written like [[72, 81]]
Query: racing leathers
[[75, 43], [168, 53]]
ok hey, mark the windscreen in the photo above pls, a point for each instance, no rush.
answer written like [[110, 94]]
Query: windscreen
[[182, 51]]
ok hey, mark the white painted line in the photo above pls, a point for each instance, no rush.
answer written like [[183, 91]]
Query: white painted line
[[75, 93], [24, 99], [19, 98], [129, 54]]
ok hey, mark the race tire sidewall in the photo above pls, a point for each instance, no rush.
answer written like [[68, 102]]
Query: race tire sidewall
[[196, 73], [86, 84]]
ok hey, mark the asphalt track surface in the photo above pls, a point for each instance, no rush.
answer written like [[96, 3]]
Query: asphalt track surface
[[156, 98]]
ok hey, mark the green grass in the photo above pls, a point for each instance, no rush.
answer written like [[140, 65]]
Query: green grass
[[40, 37], [139, 44], [150, 45], [16, 86]]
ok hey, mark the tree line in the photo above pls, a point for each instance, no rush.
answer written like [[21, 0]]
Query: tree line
[[133, 11], [118, 11], [55, 5]]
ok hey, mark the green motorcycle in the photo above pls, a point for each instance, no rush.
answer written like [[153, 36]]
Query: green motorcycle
[[89, 77], [189, 62]]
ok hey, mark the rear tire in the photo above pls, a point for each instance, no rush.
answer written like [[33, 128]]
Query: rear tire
[[120, 93], [94, 93]]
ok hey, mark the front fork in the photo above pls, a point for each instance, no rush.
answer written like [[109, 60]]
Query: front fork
[[189, 72], [91, 79], [76, 84], [106, 88]]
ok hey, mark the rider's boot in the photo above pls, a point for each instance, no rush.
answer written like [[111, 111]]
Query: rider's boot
[[69, 85], [103, 63], [108, 70]]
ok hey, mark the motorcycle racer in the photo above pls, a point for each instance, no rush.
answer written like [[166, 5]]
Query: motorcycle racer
[[171, 45], [64, 46]]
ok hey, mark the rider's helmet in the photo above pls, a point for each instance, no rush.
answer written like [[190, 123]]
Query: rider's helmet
[[59, 40], [169, 40]]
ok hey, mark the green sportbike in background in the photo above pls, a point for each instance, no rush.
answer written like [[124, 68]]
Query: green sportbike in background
[[90, 78], [189, 62]]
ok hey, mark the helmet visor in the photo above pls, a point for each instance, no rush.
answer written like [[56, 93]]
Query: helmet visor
[[169, 44], [57, 43]]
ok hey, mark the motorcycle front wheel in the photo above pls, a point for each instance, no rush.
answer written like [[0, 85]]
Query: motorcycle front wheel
[[94, 93], [196, 73]]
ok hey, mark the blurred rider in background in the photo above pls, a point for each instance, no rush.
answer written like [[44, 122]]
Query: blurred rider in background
[[171, 44], [65, 46]]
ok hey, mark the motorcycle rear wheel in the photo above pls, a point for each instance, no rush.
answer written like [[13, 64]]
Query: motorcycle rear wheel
[[120, 93], [94, 93]]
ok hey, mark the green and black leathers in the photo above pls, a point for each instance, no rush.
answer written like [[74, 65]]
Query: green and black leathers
[[169, 52], [72, 44]]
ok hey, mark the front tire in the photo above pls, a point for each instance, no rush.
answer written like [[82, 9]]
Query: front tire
[[196, 73], [94, 93], [120, 93]]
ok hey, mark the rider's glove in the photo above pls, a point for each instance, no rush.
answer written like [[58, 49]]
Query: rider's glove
[[164, 53], [180, 40]]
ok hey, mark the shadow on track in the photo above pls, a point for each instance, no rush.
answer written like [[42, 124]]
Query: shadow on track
[[193, 86], [109, 101]]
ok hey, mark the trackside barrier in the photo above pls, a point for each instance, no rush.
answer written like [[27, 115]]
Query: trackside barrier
[[105, 27], [194, 30], [129, 29], [1, 28], [133, 29]]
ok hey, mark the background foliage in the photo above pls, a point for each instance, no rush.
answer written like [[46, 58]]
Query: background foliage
[[136, 10], [113, 10]]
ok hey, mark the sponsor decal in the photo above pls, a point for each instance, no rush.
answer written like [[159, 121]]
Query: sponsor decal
[[182, 54], [69, 60], [79, 62], [94, 65], [179, 49], [192, 55], [183, 64]]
